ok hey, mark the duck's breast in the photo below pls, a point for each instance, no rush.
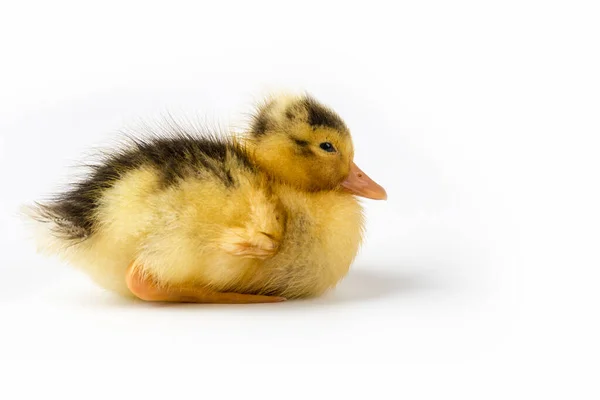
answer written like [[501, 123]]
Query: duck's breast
[[323, 234]]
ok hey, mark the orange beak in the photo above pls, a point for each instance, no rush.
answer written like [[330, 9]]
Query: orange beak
[[358, 183]]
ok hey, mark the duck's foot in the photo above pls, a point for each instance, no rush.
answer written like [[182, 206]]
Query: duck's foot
[[145, 288], [248, 243]]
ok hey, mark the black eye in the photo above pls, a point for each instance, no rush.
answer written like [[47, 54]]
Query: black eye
[[328, 147]]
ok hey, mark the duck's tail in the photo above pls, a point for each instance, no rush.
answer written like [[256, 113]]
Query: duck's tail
[[51, 229]]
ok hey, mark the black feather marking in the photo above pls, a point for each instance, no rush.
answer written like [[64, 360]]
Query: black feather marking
[[176, 156], [319, 115], [301, 143], [303, 147], [260, 124]]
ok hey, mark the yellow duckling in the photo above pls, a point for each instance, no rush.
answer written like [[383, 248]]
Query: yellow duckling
[[184, 218]]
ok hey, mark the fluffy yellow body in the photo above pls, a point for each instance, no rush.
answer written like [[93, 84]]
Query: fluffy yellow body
[[194, 233], [185, 216]]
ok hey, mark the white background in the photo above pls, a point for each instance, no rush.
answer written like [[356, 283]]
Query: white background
[[479, 276]]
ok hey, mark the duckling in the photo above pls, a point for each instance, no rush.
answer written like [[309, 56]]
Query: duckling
[[185, 217]]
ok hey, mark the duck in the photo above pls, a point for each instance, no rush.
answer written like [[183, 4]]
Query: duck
[[178, 215]]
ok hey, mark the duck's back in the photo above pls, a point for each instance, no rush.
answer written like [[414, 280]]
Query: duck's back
[[160, 163], [99, 223]]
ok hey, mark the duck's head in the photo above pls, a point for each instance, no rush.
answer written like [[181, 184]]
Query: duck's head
[[305, 144]]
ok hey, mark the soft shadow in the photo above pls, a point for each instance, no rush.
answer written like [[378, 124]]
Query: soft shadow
[[95, 297], [362, 285]]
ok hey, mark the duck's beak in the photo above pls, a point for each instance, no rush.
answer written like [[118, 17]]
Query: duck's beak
[[358, 183]]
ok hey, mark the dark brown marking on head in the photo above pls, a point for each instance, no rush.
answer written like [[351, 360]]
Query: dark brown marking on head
[[319, 115], [260, 124], [301, 143], [306, 152], [303, 147]]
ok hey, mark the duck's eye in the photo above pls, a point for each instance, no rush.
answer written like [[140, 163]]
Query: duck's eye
[[328, 147]]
